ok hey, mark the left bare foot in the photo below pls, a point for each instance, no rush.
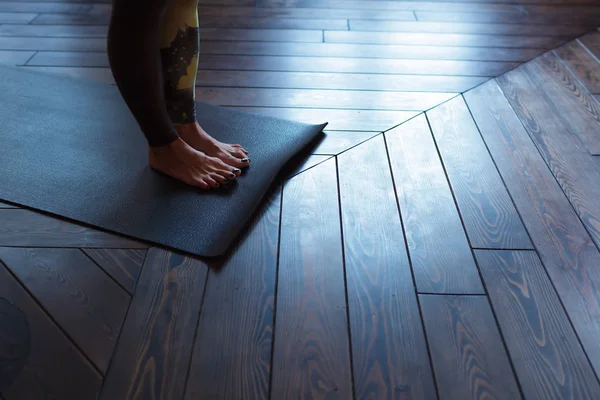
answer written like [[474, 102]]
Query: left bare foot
[[195, 136]]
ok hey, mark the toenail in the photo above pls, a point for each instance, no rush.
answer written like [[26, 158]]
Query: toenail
[[236, 170], [232, 176], [245, 160]]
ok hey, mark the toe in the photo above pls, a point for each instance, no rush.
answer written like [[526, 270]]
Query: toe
[[220, 178], [213, 183], [239, 153]]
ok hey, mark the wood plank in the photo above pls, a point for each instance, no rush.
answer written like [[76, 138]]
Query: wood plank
[[575, 17], [152, 357], [285, 12], [52, 43], [340, 120], [121, 264], [246, 22], [468, 355], [488, 213], [545, 351], [10, 57], [342, 99], [335, 142], [581, 64], [565, 155], [24, 228], [100, 31], [95, 74], [54, 368], [81, 298], [439, 250], [591, 41], [442, 39], [311, 349], [392, 5], [16, 17], [299, 64], [43, 7], [332, 80], [566, 249], [232, 354], [466, 27], [566, 93], [389, 353], [309, 162], [291, 49], [360, 50]]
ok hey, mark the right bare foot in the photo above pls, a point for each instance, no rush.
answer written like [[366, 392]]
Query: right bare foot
[[182, 162]]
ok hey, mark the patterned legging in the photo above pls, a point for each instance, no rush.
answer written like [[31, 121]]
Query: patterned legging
[[153, 53]]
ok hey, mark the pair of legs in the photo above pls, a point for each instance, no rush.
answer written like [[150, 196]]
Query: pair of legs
[[153, 50]]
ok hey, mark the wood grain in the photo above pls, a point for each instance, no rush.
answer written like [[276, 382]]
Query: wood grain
[[52, 43], [100, 31], [246, 22], [441, 257], [44, 7], [16, 18], [442, 39], [566, 249], [54, 368], [565, 155], [468, 355], [81, 298], [311, 161], [349, 50], [340, 120], [346, 99], [235, 333], [94, 74], [467, 27], [575, 17], [298, 64], [152, 358], [335, 142], [568, 96], [311, 349], [26, 228], [14, 57], [389, 353], [583, 65], [121, 264], [332, 80], [489, 215], [545, 351], [591, 41], [392, 5]]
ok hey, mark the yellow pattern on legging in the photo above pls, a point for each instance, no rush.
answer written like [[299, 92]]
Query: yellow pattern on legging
[[179, 44]]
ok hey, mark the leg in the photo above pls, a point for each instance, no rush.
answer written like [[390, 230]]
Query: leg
[[180, 43], [134, 54]]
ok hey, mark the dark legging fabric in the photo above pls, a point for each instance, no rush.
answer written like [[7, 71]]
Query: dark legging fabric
[[153, 54]]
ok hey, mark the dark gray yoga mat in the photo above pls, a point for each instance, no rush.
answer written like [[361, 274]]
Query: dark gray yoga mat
[[71, 148]]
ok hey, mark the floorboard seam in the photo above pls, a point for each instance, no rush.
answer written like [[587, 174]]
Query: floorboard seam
[[53, 320], [275, 292], [107, 274], [529, 235], [117, 343], [407, 250], [483, 284], [348, 322]]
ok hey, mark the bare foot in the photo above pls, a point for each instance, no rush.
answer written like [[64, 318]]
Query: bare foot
[[180, 161], [195, 136]]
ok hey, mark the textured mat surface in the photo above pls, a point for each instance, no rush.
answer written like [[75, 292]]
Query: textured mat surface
[[71, 148]]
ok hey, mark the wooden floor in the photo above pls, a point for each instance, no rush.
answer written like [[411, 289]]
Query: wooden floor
[[441, 242]]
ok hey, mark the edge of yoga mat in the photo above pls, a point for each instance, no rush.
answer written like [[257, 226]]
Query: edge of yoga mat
[[53, 128]]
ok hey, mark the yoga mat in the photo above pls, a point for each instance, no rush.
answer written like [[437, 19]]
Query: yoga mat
[[71, 148]]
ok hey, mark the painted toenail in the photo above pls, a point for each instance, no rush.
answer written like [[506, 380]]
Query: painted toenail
[[245, 160]]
